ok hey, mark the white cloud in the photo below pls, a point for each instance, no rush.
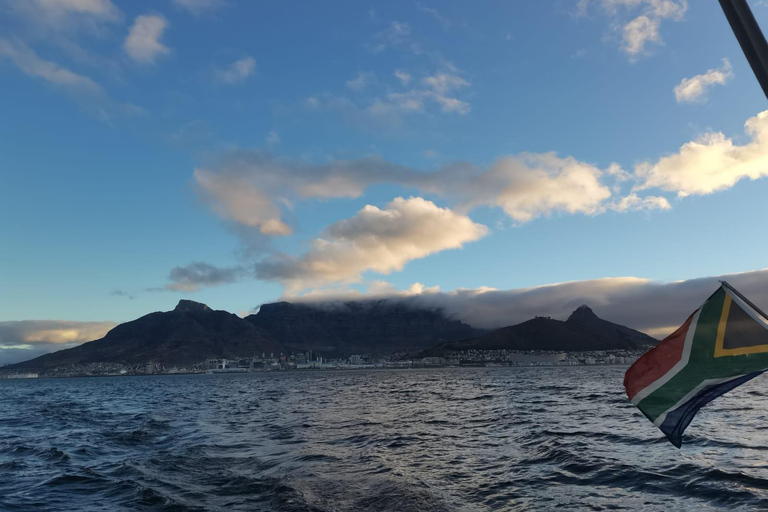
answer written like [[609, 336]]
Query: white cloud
[[251, 189], [654, 307], [143, 42], [639, 32], [530, 185], [403, 76], [238, 71], [103, 8], [710, 163], [85, 92], [434, 13], [691, 90], [234, 198], [391, 107], [66, 14], [442, 83], [643, 29], [31, 64], [198, 7], [396, 34], [633, 202], [378, 240], [448, 104], [361, 81]]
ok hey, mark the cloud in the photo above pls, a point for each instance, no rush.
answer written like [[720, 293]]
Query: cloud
[[710, 163], [237, 72], [25, 339], [122, 293], [192, 277], [249, 189], [234, 197], [639, 32], [653, 307], [252, 189], [143, 42], [633, 202], [198, 7], [61, 25], [530, 185], [442, 83], [435, 14], [392, 106], [88, 94], [31, 64], [396, 34], [389, 108], [692, 90], [403, 76], [642, 30], [62, 15], [361, 81], [272, 138], [378, 240]]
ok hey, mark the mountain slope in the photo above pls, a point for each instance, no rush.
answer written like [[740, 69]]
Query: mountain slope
[[358, 327], [583, 331], [189, 334]]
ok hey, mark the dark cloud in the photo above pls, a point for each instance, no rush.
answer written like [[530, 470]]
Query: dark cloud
[[122, 293], [195, 275]]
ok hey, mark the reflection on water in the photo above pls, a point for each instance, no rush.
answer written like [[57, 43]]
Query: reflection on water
[[422, 440]]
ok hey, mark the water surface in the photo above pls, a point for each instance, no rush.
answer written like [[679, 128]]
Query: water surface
[[402, 440]]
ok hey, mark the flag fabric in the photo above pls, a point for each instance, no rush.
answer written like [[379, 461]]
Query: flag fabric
[[722, 345]]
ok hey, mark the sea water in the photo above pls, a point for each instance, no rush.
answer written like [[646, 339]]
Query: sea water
[[377, 440]]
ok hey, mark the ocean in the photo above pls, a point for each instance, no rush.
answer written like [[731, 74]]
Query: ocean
[[533, 438]]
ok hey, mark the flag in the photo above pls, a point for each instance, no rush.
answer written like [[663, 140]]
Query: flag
[[722, 345]]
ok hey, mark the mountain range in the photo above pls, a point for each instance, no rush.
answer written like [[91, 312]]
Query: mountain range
[[582, 331], [193, 332]]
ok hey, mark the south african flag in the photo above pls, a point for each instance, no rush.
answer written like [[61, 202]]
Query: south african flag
[[722, 345]]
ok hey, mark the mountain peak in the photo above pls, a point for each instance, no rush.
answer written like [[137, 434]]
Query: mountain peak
[[188, 306], [583, 312]]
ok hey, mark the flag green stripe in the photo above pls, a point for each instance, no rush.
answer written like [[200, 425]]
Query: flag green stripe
[[702, 363]]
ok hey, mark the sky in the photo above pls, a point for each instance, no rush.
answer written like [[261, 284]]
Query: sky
[[237, 153]]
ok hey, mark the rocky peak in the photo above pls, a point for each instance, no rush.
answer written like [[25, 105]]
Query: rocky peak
[[190, 306], [582, 313]]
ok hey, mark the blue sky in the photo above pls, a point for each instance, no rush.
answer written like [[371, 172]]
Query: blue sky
[[236, 152]]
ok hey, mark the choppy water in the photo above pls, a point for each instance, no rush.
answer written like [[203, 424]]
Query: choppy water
[[421, 440]]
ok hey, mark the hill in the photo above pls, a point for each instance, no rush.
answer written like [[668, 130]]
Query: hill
[[583, 331], [191, 333]]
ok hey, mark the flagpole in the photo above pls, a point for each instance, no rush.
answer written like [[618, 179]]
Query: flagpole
[[746, 300], [750, 38]]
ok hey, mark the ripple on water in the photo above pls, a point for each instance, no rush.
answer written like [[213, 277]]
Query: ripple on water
[[422, 440]]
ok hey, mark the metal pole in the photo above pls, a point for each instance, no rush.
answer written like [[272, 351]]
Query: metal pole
[[746, 300], [750, 38]]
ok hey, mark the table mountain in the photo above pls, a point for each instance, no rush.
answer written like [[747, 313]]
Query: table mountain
[[377, 326]]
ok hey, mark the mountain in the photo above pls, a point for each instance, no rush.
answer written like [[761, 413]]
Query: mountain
[[378, 326], [190, 333], [193, 332], [583, 331]]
